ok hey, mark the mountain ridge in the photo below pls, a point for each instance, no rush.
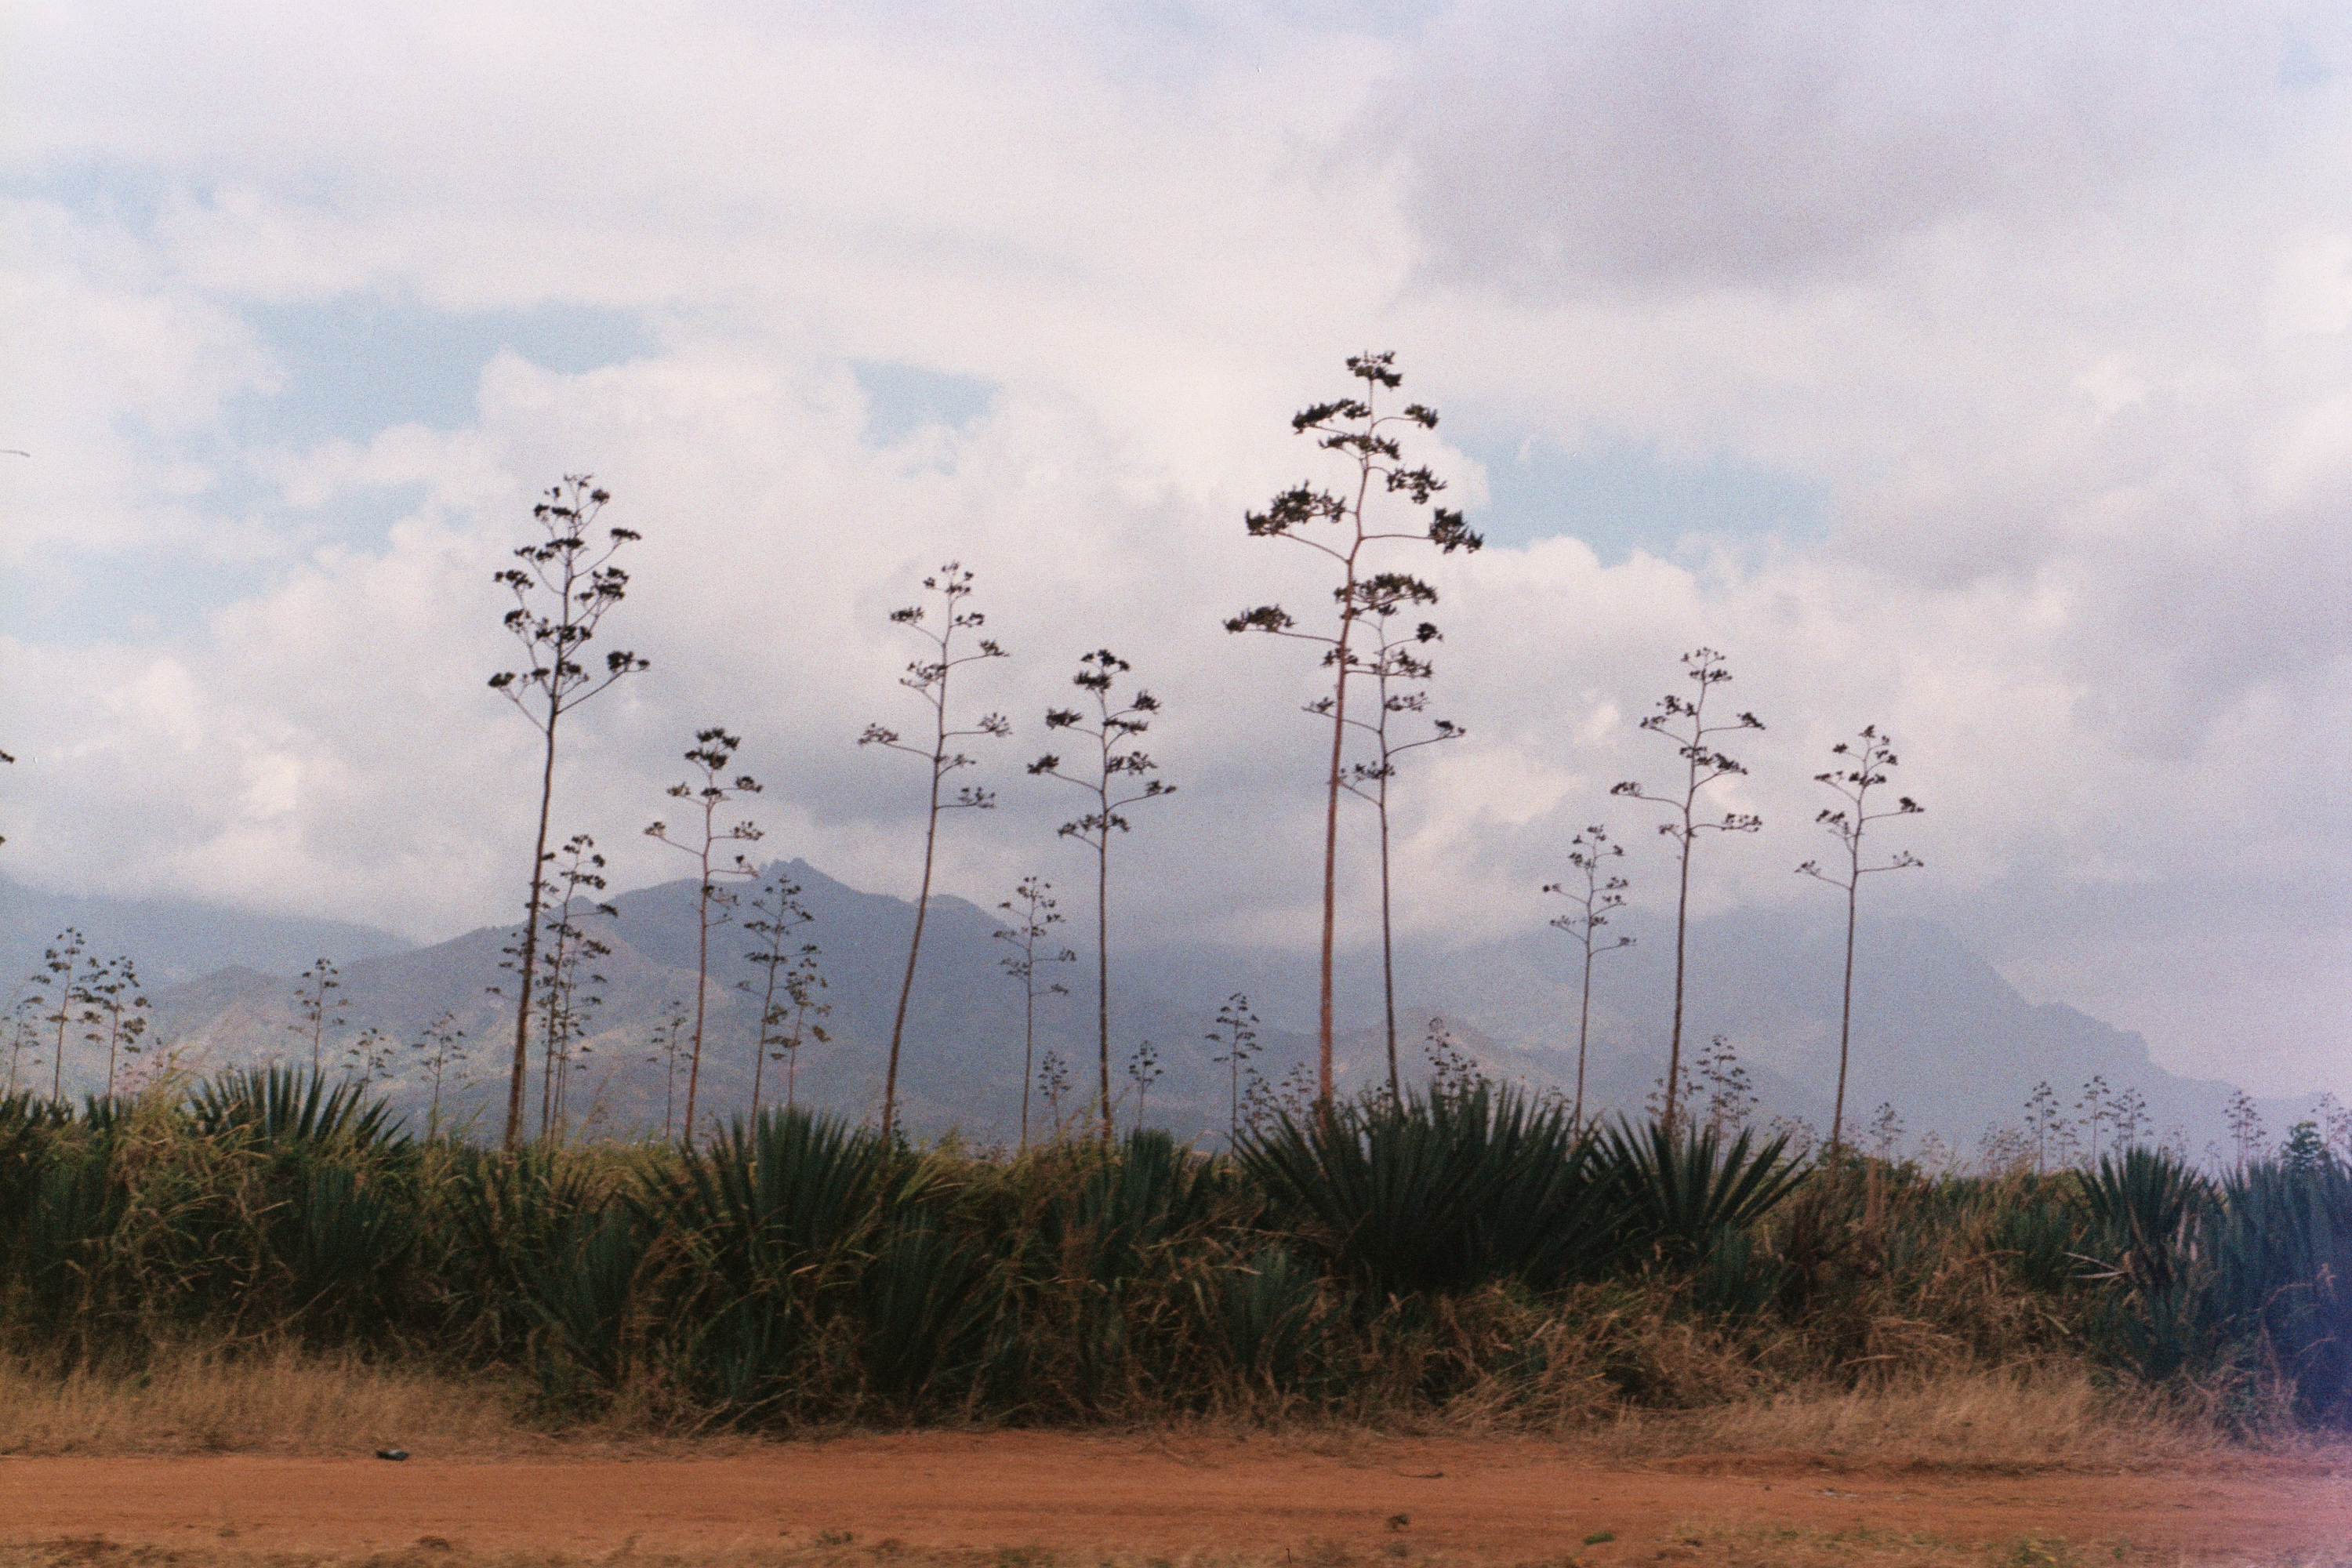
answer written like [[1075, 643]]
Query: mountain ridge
[[1940, 1036]]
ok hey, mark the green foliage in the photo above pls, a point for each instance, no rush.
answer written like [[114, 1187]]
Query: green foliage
[[1396, 1257], [2282, 1279], [771, 1232], [1440, 1193], [1685, 1190], [539, 1263], [2244, 1278], [2146, 1210], [282, 1106], [1263, 1318], [2039, 1232]]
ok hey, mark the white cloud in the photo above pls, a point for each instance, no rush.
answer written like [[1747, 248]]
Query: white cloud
[[1739, 143], [2030, 295]]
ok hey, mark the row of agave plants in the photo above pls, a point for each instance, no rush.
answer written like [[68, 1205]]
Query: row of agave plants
[[1466, 1244]]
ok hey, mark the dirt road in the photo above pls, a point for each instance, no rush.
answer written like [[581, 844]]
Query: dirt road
[[1513, 1501]]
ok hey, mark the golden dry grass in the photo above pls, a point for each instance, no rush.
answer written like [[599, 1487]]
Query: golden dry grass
[[2029, 1418], [281, 1400], [273, 1400]]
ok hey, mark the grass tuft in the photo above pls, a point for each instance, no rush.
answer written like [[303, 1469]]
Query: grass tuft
[[271, 1399]]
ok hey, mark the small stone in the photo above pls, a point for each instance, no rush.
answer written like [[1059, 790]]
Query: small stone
[[391, 1453]]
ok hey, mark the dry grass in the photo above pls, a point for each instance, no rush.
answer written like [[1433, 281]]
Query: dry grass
[[275, 1400], [2033, 1418], [283, 1401]]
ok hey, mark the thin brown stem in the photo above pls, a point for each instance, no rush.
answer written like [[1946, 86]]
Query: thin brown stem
[[1846, 1007], [531, 938], [915, 945], [701, 989], [1388, 947], [1102, 970], [1583, 1026]]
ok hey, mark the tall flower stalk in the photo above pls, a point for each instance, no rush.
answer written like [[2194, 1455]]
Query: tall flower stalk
[[1116, 780], [1339, 525], [1033, 918], [1863, 766], [928, 679], [563, 590], [1683, 720], [713, 752], [1603, 892]]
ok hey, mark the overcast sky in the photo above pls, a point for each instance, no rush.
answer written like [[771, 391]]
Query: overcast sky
[[1979, 372]]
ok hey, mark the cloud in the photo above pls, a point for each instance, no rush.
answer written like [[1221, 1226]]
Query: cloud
[[2017, 329], [1730, 143]]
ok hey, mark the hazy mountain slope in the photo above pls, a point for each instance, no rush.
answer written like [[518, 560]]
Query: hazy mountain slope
[[174, 940], [1937, 1032]]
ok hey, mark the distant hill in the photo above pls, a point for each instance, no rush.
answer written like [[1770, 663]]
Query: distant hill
[[175, 940], [1938, 1034]]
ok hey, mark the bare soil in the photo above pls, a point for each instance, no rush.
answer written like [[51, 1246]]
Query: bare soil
[[1323, 1498]]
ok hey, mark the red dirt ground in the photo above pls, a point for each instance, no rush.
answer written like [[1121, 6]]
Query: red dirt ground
[[1507, 1498]]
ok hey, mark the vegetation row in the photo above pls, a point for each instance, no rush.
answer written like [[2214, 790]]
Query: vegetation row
[[1467, 1249]]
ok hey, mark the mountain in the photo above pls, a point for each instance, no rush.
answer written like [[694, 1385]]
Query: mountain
[[1939, 1035], [175, 940]]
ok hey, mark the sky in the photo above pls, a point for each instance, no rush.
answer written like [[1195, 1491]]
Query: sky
[[1978, 373]]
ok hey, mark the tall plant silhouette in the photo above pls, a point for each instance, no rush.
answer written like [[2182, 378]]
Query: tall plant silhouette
[[1598, 893], [778, 917], [1400, 676], [24, 1032], [1336, 523], [314, 1008], [572, 992], [1143, 1066], [1115, 776], [1684, 721], [803, 983], [669, 1036], [439, 1048], [370, 1056], [712, 753], [1034, 918], [59, 992], [928, 679], [563, 589], [1053, 1083], [117, 1011], [1862, 765], [1236, 1035]]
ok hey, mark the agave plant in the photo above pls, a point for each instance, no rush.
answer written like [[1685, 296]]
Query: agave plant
[[513, 1223], [78, 1204], [922, 1313], [768, 1201], [29, 1130], [1092, 1275], [345, 1242], [2037, 1226], [2146, 1208], [1125, 1205], [773, 1225], [584, 1285], [2283, 1277], [1261, 1314], [288, 1106], [1440, 1193], [1684, 1189]]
